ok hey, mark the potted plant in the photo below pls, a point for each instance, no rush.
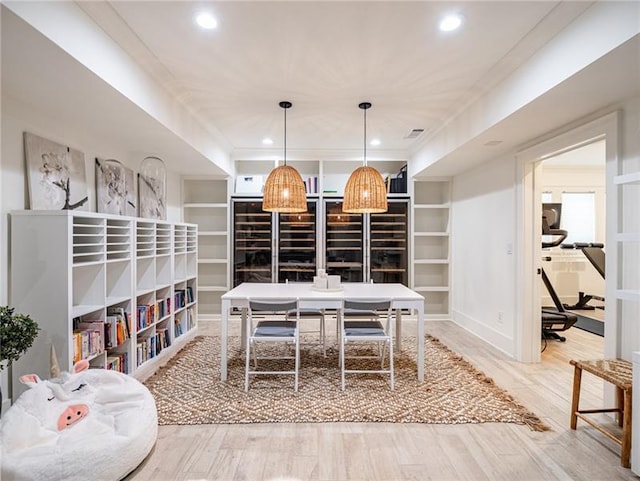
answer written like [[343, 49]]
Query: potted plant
[[17, 333]]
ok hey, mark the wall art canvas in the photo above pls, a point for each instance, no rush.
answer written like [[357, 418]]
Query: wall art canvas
[[115, 188], [152, 189], [56, 173]]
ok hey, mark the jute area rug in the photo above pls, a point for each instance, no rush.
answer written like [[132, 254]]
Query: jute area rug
[[188, 390]]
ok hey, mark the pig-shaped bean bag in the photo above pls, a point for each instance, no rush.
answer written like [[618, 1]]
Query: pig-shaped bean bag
[[92, 424]]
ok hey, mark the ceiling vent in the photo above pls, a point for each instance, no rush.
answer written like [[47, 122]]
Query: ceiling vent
[[414, 133], [492, 143]]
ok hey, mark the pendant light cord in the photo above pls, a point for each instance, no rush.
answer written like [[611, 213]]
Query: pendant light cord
[[365, 137], [285, 136]]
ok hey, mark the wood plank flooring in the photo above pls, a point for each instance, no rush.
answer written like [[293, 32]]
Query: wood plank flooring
[[394, 452]]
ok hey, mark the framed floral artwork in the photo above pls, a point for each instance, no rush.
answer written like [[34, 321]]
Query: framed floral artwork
[[56, 174], [152, 189], [115, 188]]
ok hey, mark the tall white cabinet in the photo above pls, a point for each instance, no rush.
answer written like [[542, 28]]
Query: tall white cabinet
[[205, 204], [431, 244], [73, 270]]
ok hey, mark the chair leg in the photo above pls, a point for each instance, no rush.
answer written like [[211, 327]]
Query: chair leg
[[342, 366], [247, 355], [575, 402], [297, 362], [391, 363], [323, 336], [255, 355]]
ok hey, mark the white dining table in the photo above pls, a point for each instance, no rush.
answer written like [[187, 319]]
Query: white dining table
[[400, 295]]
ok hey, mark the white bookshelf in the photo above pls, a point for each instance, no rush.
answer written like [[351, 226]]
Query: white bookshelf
[[67, 265], [430, 250], [205, 203]]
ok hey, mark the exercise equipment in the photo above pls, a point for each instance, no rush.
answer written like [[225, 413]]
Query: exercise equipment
[[595, 255], [558, 319]]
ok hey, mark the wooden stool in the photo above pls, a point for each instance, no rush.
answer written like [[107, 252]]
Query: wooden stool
[[619, 373]]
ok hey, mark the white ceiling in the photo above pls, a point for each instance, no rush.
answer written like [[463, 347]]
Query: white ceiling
[[325, 57]]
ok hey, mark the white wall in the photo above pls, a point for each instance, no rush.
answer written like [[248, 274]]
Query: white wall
[[569, 270], [483, 266], [18, 117]]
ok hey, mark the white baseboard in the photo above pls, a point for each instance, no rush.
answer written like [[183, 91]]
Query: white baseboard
[[497, 339]]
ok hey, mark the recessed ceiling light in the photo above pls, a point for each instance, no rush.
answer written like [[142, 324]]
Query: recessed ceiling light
[[375, 141], [451, 22], [206, 20], [267, 141]]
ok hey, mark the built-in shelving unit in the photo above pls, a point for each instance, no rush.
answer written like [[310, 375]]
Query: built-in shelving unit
[[431, 244], [297, 241], [388, 244], [344, 243], [253, 242], [205, 203], [102, 288]]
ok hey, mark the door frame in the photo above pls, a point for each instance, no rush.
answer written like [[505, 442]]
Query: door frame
[[529, 225]]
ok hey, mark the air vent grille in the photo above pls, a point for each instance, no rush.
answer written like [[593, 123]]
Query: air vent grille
[[414, 133]]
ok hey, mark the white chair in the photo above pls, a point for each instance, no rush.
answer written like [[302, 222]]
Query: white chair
[[309, 313], [363, 324], [275, 327]]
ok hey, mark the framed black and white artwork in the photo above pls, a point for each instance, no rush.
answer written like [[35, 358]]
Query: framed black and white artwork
[[56, 174], [115, 188], [152, 189]]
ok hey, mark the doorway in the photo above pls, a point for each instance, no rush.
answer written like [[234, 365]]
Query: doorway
[[529, 228], [573, 185]]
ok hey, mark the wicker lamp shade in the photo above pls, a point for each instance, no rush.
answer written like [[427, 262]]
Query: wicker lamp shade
[[284, 191], [365, 192]]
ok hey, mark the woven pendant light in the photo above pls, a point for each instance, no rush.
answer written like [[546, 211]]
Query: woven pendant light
[[284, 189], [365, 190]]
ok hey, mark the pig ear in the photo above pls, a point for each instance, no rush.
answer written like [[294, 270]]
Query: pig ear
[[80, 366], [30, 379]]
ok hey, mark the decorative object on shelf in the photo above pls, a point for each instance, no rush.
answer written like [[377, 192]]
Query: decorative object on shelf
[[398, 184], [108, 420], [284, 190], [115, 191], [365, 190], [57, 178], [152, 188]]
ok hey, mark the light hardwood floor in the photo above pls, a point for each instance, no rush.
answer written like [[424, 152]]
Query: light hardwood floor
[[388, 452]]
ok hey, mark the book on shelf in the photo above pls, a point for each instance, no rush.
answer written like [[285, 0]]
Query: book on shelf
[[118, 362], [163, 307], [189, 294], [117, 327], [89, 339], [311, 185], [146, 315], [179, 297]]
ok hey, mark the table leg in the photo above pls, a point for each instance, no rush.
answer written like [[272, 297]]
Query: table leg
[[224, 316], [398, 329], [420, 309], [243, 329]]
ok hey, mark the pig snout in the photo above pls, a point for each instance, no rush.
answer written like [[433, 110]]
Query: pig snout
[[72, 415]]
